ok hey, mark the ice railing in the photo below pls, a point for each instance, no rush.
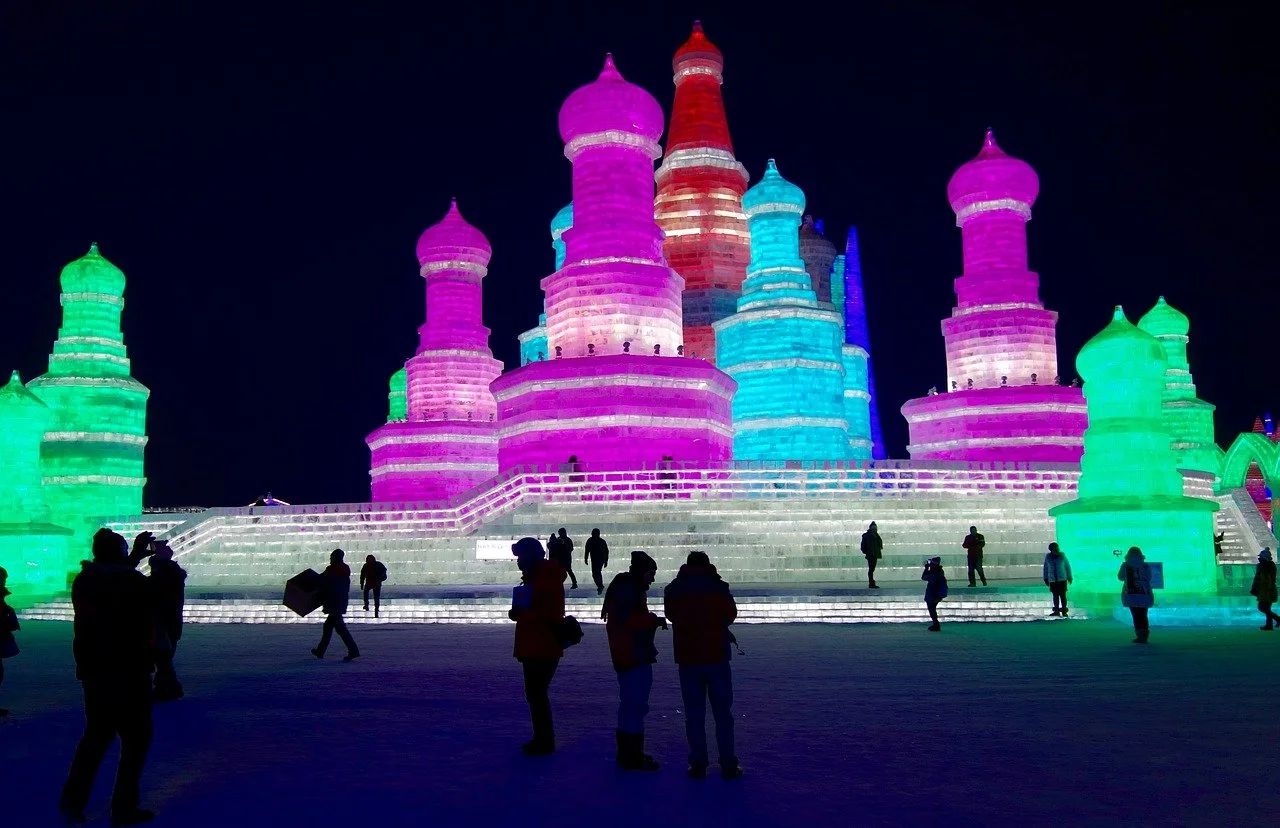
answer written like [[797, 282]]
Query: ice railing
[[468, 511]]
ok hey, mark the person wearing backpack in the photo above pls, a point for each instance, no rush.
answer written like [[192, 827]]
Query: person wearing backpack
[[1135, 592], [372, 575]]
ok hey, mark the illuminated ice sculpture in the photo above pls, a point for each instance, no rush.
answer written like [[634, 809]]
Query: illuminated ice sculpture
[[447, 442], [783, 349], [1003, 400], [1130, 491], [699, 202], [819, 256], [857, 337], [32, 549], [533, 342], [615, 391], [92, 454]]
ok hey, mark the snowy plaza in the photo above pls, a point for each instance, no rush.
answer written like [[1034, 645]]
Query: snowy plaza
[[983, 724]]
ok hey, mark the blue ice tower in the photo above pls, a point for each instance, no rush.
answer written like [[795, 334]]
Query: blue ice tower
[[857, 336], [855, 362], [780, 346], [533, 342]]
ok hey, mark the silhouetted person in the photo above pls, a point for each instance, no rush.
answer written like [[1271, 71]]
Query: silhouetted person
[[8, 626], [1057, 577], [597, 555], [935, 589], [631, 629], [537, 607], [873, 549], [700, 608], [560, 550], [1217, 544], [372, 576], [168, 583], [115, 619], [973, 545], [1264, 588], [1136, 594], [337, 590]]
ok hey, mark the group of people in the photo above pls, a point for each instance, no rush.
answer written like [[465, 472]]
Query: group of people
[[335, 591], [560, 550], [698, 607]]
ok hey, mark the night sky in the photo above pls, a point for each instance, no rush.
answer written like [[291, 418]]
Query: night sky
[[262, 177]]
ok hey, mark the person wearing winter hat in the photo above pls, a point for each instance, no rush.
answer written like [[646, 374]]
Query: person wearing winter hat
[[1057, 577], [8, 626], [631, 628], [935, 589], [537, 607], [1136, 594], [1264, 588]]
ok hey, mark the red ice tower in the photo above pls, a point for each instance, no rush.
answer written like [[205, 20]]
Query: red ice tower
[[699, 203]]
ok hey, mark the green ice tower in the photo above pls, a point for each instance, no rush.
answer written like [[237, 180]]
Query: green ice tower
[[91, 457], [397, 400], [1130, 489], [1187, 418], [32, 550]]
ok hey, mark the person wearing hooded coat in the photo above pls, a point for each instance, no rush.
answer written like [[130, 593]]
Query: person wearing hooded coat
[[169, 583], [8, 626], [537, 607], [631, 628], [873, 549], [700, 607], [1135, 591], [1057, 577], [1264, 588], [114, 627], [935, 589]]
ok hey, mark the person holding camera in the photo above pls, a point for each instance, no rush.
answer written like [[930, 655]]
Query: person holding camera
[[169, 583], [537, 607], [113, 634], [631, 628], [935, 589]]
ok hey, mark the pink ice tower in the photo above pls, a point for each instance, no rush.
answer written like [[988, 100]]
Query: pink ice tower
[[448, 441], [615, 390], [1003, 400]]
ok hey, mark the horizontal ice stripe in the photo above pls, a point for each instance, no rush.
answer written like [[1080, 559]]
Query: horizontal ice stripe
[[548, 422], [992, 410], [759, 423], [997, 442]]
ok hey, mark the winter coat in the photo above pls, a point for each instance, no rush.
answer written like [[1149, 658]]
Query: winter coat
[[872, 545], [700, 608], [630, 625], [115, 620], [1135, 575], [597, 551], [1264, 582], [1056, 568], [560, 550], [372, 574], [974, 544], [538, 626], [935, 588], [337, 588], [8, 626], [169, 583]]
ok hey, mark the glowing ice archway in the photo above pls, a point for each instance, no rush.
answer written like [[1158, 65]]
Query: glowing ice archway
[[1251, 448]]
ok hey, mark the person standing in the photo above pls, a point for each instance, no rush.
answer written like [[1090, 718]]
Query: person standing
[[537, 607], [873, 550], [113, 628], [935, 589], [1135, 592], [372, 576], [563, 555], [631, 628], [337, 592], [700, 607], [597, 555], [1264, 588], [169, 583], [8, 626], [1057, 577], [973, 545]]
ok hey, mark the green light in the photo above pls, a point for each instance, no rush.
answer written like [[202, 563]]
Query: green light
[[397, 402]]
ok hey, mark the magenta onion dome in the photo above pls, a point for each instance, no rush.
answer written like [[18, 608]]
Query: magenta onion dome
[[993, 176], [453, 239], [611, 104]]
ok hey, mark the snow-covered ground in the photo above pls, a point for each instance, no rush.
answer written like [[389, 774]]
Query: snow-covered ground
[[1009, 724]]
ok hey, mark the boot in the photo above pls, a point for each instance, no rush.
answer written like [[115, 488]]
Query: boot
[[631, 755], [539, 747]]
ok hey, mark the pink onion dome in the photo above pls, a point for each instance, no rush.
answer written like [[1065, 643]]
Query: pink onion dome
[[453, 239], [697, 51], [992, 177], [611, 104]]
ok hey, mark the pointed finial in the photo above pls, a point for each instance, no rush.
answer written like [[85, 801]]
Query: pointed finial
[[772, 166], [697, 27], [1119, 314], [93, 249], [610, 70], [1161, 301], [15, 377]]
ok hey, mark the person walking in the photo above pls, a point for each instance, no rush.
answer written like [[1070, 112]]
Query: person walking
[[337, 592], [169, 583], [372, 576], [560, 550], [1264, 588], [873, 550], [973, 545], [631, 628], [700, 608], [537, 607], [935, 589], [597, 555], [1057, 577], [8, 626], [112, 633], [1135, 592]]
